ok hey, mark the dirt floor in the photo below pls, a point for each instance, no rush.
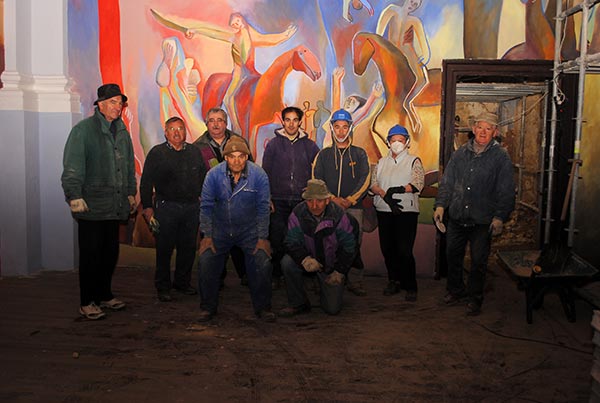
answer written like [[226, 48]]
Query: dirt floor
[[378, 349]]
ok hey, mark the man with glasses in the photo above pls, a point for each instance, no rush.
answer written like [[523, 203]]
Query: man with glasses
[[211, 144], [287, 160], [174, 171]]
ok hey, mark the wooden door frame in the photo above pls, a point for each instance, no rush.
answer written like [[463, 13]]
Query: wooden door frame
[[477, 71]]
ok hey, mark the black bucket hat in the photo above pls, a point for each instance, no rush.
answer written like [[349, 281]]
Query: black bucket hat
[[107, 91]]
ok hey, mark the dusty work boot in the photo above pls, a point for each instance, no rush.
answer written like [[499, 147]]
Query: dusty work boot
[[356, 288]]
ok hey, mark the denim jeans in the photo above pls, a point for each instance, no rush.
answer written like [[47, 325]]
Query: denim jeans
[[258, 270], [479, 239], [330, 295], [178, 230]]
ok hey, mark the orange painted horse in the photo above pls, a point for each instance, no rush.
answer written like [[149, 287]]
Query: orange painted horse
[[267, 94]]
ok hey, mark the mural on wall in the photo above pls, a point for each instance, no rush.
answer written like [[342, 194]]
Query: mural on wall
[[379, 59]]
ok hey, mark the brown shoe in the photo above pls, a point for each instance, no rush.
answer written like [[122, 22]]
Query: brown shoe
[[266, 315], [204, 316]]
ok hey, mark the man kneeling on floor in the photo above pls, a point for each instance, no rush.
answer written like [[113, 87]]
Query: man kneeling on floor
[[321, 241], [234, 211]]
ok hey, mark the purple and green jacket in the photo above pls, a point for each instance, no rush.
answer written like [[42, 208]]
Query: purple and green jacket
[[331, 240]]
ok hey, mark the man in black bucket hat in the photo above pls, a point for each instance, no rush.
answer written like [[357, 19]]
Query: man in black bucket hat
[[99, 183], [108, 91]]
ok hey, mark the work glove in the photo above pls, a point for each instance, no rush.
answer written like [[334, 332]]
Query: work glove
[[132, 204], [335, 278], [78, 206], [311, 265], [154, 225], [395, 204], [496, 227], [438, 219]]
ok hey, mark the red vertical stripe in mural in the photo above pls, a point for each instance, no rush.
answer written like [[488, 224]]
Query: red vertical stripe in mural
[[109, 37]]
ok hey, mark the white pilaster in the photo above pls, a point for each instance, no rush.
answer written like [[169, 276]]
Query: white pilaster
[[37, 112]]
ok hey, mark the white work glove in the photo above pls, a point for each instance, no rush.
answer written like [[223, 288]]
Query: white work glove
[[335, 278], [496, 227], [132, 204], [311, 264], [78, 206]]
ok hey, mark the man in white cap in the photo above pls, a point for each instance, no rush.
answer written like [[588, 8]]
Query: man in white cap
[[98, 180], [476, 195]]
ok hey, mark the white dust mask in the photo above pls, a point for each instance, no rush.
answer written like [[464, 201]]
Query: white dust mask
[[397, 147]]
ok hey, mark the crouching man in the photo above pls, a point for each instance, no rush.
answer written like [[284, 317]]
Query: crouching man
[[234, 211], [321, 239]]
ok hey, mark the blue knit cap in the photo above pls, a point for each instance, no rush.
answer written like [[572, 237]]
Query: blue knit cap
[[398, 130]]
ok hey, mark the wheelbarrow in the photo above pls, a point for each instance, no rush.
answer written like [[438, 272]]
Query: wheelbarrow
[[561, 277]]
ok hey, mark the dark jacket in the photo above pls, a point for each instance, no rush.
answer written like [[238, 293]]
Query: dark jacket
[[332, 240], [288, 164], [99, 168], [175, 176], [211, 152], [345, 171], [476, 188]]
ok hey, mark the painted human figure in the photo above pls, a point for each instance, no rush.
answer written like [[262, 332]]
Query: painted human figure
[[406, 32], [244, 39]]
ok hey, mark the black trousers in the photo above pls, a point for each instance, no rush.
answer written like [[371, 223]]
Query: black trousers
[[278, 230], [178, 230], [98, 255], [397, 233]]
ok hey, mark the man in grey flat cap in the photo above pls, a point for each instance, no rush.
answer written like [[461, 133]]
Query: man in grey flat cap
[[477, 194]]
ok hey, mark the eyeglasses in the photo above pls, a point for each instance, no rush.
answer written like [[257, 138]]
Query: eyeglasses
[[217, 120], [176, 129]]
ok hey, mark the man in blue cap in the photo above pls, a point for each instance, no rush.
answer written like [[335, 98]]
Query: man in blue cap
[[344, 167]]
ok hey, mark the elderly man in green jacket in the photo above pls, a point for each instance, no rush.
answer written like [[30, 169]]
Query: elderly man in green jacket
[[99, 184]]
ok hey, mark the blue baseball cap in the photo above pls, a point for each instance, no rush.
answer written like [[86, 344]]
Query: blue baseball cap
[[398, 130], [341, 114]]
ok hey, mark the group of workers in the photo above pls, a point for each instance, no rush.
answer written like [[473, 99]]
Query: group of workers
[[297, 216]]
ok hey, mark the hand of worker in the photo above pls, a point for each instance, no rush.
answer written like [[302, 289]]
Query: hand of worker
[[205, 244], [78, 206], [132, 204], [310, 264], [335, 278], [264, 245], [496, 227], [438, 214]]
